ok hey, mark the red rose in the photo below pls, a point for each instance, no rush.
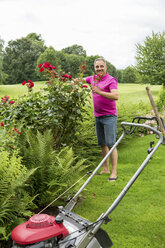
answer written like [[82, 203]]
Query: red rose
[[11, 102], [50, 68], [41, 69], [31, 84], [46, 65], [6, 97], [40, 65], [24, 82], [2, 124], [15, 129]]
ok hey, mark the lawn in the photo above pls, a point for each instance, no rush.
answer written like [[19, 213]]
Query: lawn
[[17, 90], [138, 221]]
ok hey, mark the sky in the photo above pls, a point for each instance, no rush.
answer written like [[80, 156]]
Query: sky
[[107, 28]]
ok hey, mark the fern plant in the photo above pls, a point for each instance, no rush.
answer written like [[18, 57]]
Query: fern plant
[[15, 201], [64, 172], [56, 170]]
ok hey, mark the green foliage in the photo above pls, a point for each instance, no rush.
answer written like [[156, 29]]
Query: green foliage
[[49, 55], [59, 108], [89, 60], [111, 69], [35, 37], [65, 62], [20, 58], [75, 49], [26, 109], [9, 137], [15, 201], [74, 63], [2, 74], [68, 170], [161, 99], [56, 171], [119, 76], [128, 75], [151, 59]]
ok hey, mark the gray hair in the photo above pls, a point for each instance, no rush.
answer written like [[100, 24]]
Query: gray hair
[[98, 59]]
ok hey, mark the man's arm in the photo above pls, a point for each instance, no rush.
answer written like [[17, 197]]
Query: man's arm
[[113, 95]]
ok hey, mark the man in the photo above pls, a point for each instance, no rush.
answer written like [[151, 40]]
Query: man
[[105, 94]]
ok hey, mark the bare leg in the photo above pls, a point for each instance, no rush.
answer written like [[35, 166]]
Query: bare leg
[[114, 158], [105, 169]]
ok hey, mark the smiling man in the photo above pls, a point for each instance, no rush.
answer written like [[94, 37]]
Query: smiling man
[[105, 94]]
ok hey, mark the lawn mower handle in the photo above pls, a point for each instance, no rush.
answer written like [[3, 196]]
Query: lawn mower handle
[[140, 169], [104, 216], [72, 202]]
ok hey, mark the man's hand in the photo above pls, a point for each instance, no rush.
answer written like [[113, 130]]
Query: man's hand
[[113, 95], [96, 90]]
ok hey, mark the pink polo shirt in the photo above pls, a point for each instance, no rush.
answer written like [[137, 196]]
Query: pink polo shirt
[[102, 105]]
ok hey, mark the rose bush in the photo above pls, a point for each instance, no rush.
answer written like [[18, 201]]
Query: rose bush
[[29, 85], [59, 106]]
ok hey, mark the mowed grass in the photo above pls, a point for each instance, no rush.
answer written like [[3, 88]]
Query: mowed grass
[[135, 93], [139, 219], [133, 99], [16, 90]]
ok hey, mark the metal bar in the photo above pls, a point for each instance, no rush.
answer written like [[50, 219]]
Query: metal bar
[[100, 164], [71, 204], [133, 179]]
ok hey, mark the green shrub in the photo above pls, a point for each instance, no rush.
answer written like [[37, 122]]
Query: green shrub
[[15, 202], [60, 107], [56, 171], [161, 99]]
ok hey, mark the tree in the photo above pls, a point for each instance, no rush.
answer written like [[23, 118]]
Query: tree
[[119, 75], [74, 63], [75, 49], [20, 58], [89, 60], [35, 37], [128, 75], [2, 75], [50, 56], [151, 59], [111, 69]]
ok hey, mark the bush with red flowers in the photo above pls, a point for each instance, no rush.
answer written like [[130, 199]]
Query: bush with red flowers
[[29, 85], [60, 106]]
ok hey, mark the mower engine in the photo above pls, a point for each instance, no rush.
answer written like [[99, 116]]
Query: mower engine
[[40, 231], [66, 230]]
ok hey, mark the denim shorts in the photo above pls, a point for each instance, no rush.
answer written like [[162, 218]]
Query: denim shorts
[[106, 129]]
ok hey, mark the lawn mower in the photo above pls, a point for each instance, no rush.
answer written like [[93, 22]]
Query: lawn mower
[[67, 229]]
